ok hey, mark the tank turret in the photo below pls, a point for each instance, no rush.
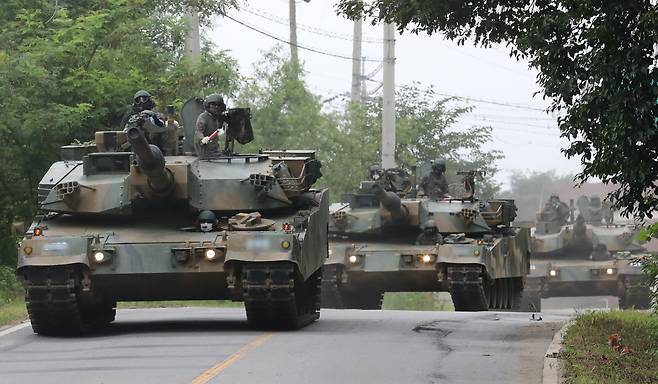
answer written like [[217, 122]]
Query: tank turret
[[151, 161]]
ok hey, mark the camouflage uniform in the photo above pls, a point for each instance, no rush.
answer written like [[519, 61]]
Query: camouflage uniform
[[156, 131], [430, 235], [434, 185], [206, 124]]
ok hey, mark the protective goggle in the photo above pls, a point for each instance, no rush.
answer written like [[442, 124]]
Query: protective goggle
[[215, 105], [205, 227], [142, 99]]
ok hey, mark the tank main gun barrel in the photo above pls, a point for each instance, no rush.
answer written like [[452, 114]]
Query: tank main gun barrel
[[391, 202], [151, 162]]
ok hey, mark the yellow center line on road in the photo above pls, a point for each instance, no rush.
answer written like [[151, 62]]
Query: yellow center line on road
[[216, 369]]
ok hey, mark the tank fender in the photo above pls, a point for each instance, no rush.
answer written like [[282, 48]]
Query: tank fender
[[51, 251], [308, 248]]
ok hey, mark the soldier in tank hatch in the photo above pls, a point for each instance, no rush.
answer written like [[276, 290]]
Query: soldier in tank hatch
[[209, 125], [435, 185], [430, 234], [156, 130]]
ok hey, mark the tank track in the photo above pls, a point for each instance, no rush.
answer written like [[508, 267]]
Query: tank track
[[633, 292], [276, 297], [331, 295], [466, 286], [470, 291], [53, 305], [334, 295]]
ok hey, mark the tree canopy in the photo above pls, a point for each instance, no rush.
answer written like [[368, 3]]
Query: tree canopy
[[597, 62]]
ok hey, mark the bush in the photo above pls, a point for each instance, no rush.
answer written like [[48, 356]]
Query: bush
[[10, 287]]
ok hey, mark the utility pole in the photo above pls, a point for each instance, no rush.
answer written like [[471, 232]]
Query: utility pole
[[364, 88], [294, 58], [192, 37], [388, 112], [357, 68]]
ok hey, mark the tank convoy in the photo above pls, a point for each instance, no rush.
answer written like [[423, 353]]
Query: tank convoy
[[386, 238], [587, 254], [131, 224]]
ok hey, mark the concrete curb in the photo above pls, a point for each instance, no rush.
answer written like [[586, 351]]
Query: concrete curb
[[552, 372]]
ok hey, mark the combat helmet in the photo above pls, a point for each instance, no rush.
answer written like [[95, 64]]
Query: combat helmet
[[142, 101], [207, 220], [439, 165], [214, 104]]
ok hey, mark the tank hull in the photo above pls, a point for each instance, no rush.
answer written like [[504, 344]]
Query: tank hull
[[491, 266], [156, 258], [574, 278]]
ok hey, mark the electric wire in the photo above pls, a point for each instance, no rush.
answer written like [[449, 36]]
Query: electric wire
[[308, 28], [311, 49]]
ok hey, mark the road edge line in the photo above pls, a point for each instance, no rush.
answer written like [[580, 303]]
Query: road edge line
[[12, 329], [551, 373]]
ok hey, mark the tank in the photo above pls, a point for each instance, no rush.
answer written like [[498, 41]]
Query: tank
[[385, 238], [125, 223], [579, 250]]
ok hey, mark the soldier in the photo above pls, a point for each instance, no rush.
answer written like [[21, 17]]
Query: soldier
[[155, 129], [430, 234], [141, 102], [435, 184], [209, 122]]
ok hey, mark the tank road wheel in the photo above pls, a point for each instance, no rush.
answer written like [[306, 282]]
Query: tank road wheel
[[466, 285], [633, 293], [276, 297], [52, 303], [516, 284], [332, 296]]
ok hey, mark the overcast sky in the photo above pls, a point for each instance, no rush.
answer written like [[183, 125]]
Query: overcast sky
[[528, 137]]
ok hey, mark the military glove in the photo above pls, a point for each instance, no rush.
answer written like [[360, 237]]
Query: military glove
[[205, 140]]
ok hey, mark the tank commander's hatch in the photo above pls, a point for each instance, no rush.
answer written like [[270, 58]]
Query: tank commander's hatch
[[238, 119]]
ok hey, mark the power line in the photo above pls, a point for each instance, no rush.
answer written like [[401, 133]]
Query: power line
[[307, 28], [493, 102], [520, 123], [315, 50]]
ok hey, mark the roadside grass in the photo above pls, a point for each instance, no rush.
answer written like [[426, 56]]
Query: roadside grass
[[12, 302], [416, 301], [588, 357], [12, 311]]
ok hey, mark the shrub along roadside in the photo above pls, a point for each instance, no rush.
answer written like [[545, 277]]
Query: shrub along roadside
[[589, 357], [12, 304]]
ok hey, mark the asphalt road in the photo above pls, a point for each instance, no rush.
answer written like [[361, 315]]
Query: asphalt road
[[199, 345]]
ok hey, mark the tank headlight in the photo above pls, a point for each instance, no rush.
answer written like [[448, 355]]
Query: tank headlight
[[609, 271], [27, 250], [353, 259], [408, 259], [427, 258], [211, 254], [533, 267], [476, 252], [285, 244], [552, 272], [100, 257]]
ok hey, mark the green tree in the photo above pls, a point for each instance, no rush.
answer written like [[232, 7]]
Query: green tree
[[67, 71], [531, 190], [423, 133], [596, 61]]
